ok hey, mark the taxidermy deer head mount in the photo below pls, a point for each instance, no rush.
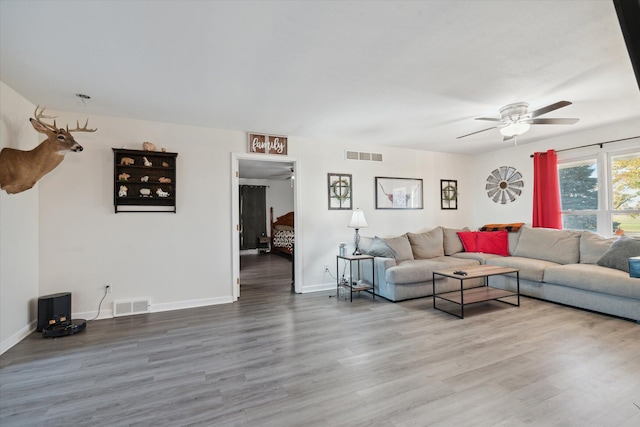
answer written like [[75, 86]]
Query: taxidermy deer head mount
[[20, 170]]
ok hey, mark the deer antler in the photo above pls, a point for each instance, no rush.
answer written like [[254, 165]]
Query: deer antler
[[54, 127], [81, 129], [40, 115]]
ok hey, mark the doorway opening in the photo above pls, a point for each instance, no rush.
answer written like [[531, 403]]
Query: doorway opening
[[264, 189]]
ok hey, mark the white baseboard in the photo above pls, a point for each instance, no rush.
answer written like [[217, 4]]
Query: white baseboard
[[319, 287], [17, 337], [181, 305], [91, 315], [157, 308]]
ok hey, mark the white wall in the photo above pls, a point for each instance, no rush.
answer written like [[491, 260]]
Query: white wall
[[18, 229], [64, 236], [324, 229], [177, 260], [184, 260], [486, 211]]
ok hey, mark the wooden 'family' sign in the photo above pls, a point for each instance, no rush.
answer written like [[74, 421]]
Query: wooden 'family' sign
[[267, 144]]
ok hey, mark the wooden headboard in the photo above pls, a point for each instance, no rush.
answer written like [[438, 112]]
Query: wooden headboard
[[286, 219]]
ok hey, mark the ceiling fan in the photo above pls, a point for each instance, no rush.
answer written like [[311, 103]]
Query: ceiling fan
[[288, 174], [516, 120]]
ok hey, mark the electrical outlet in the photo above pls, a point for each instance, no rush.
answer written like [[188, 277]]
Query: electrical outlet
[[326, 268], [109, 288]]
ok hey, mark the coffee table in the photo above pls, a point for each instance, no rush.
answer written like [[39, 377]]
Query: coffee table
[[478, 294]]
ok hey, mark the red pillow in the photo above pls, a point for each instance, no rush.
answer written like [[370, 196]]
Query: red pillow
[[493, 242], [469, 240]]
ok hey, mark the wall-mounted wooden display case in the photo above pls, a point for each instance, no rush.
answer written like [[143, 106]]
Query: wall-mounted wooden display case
[[144, 181]]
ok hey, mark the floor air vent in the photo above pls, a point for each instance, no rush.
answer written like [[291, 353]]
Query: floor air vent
[[126, 308]]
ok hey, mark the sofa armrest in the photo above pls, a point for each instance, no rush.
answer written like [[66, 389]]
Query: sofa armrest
[[380, 264], [384, 263]]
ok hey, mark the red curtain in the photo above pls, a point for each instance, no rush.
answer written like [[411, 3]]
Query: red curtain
[[546, 191]]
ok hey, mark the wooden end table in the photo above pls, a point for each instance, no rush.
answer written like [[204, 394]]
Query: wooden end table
[[478, 294]]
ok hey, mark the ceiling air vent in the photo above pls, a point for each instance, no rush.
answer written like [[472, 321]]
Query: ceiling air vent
[[357, 155]]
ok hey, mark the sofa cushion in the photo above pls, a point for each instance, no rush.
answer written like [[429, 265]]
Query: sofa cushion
[[594, 278], [478, 256], [379, 247], [593, 246], [493, 242], [427, 245], [455, 262], [402, 246], [413, 271], [469, 240], [619, 253], [452, 243], [530, 268], [560, 246]]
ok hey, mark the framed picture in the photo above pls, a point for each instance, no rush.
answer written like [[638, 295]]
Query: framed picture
[[448, 194], [340, 191], [398, 193]]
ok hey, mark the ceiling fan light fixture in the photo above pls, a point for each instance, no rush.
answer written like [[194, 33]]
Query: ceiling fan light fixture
[[514, 129]]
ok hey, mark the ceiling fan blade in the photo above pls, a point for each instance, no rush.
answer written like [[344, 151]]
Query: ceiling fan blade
[[549, 108], [489, 119], [506, 138], [550, 121], [473, 133]]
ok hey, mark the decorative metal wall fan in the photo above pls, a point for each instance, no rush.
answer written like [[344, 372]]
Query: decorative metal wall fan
[[504, 184], [515, 120]]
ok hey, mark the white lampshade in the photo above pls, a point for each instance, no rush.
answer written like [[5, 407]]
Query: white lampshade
[[358, 220], [514, 129]]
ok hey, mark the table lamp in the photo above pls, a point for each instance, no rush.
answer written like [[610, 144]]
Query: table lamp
[[357, 221]]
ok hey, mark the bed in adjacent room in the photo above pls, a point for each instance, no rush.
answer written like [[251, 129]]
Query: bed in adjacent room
[[282, 233]]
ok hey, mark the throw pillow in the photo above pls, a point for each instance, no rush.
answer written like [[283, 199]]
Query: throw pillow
[[452, 243], [469, 240], [493, 242], [593, 246], [381, 248], [619, 253], [427, 245], [512, 227], [402, 246]]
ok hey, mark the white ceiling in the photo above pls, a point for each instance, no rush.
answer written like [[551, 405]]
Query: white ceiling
[[403, 74], [273, 170]]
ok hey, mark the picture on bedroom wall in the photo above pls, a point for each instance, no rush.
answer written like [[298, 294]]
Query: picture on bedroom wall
[[448, 194], [340, 191], [398, 193]]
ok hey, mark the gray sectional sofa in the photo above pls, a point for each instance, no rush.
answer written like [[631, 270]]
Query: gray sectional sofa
[[555, 265]]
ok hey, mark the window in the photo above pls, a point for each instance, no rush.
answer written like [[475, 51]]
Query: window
[[601, 193], [625, 200]]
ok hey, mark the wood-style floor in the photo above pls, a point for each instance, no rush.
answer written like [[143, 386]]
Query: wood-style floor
[[275, 358]]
